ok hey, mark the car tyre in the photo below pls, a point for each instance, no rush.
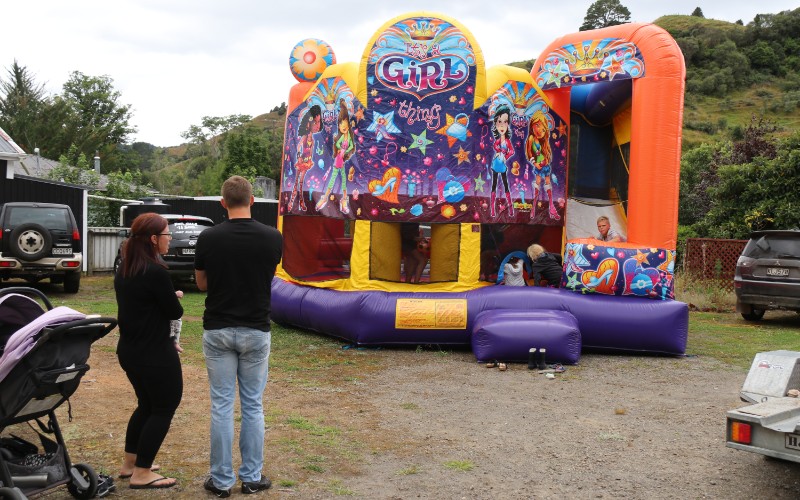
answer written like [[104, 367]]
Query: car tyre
[[755, 314], [72, 281], [30, 242]]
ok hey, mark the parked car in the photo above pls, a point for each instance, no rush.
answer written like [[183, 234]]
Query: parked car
[[768, 273], [40, 240], [185, 229]]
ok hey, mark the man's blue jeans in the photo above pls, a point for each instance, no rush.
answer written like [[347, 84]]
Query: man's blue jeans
[[236, 354]]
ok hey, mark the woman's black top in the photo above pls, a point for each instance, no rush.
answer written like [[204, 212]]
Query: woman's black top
[[146, 303]]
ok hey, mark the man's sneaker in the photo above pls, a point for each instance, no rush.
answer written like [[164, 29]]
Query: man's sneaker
[[209, 486], [262, 484]]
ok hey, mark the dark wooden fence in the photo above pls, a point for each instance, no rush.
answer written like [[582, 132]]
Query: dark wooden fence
[[712, 259]]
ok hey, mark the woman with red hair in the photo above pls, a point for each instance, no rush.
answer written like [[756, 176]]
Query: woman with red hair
[[146, 302]]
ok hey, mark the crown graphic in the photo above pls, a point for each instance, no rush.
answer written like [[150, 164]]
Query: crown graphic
[[422, 30], [585, 61], [519, 100]]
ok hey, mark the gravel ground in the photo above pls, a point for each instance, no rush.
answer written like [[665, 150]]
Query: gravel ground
[[441, 426]]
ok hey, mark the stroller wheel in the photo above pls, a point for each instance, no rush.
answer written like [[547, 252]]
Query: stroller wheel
[[12, 494], [84, 482]]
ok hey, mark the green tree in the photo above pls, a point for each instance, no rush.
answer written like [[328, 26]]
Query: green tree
[[603, 13], [245, 151], [746, 185], [698, 12], [208, 134], [22, 103], [104, 207], [100, 122], [74, 168]]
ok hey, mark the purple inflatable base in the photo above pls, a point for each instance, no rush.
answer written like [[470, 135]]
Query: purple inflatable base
[[509, 334], [368, 317]]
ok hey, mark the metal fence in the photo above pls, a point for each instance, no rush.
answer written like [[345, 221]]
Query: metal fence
[[712, 259], [102, 245]]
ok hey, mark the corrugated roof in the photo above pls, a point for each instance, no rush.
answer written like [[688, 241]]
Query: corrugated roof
[[8, 146]]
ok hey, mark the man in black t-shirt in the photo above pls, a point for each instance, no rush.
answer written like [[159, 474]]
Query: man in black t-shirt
[[235, 262]]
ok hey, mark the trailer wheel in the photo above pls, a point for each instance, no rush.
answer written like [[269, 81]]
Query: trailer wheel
[[84, 482]]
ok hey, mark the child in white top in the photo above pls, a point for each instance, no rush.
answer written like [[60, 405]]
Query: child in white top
[[512, 272]]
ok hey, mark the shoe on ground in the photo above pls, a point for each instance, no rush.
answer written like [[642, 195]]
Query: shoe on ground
[[209, 486], [254, 487]]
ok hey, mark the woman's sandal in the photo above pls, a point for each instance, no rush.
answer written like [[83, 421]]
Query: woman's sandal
[[154, 468]]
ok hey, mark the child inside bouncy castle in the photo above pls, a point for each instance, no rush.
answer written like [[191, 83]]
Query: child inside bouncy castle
[[544, 266], [416, 251], [512, 272]]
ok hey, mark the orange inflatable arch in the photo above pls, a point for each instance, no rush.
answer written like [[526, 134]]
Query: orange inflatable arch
[[654, 119]]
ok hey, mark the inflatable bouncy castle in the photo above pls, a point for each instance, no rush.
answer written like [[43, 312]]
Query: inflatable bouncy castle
[[412, 176]]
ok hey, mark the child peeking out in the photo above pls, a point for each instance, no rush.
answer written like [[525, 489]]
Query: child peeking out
[[512, 272]]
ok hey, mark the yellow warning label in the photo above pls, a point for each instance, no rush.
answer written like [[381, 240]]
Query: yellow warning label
[[427, 314]]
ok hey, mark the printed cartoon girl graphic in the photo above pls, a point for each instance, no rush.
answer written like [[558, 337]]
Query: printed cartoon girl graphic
[[539, 155], [503, 150], [304, 160], [343, 148]]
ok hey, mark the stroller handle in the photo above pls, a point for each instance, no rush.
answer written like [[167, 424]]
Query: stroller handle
[[110, 324], [26, 290]]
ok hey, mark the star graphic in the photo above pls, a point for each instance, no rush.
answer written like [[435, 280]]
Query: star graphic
[[562, 129], [615, 68], [479, 182], [453, 98], [383, 126], [572, 281], [641, 257], [444, 131], [463, 156], [553, 76], [374, 93], [420, 141], [403, 149], [463, 207], [590, 247], [360, 114]]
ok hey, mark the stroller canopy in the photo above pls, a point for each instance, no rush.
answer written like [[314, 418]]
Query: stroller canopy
[[27, 318]]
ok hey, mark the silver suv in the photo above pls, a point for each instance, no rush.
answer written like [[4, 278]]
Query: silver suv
[[40, 240], [768, 274]]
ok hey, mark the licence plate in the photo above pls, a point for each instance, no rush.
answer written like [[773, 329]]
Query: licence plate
[[777, 271], [793, 441], [188, 251], [62, 251]]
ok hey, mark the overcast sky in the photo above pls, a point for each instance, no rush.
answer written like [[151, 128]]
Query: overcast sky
[[176, 61]]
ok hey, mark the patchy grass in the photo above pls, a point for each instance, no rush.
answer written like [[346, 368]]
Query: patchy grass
[[336, 486], [409, 471], [460, 465]]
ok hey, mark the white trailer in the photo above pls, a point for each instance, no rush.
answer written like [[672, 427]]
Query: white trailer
[[770, 425]]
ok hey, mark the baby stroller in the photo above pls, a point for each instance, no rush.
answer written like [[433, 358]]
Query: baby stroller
[[43, 354]]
